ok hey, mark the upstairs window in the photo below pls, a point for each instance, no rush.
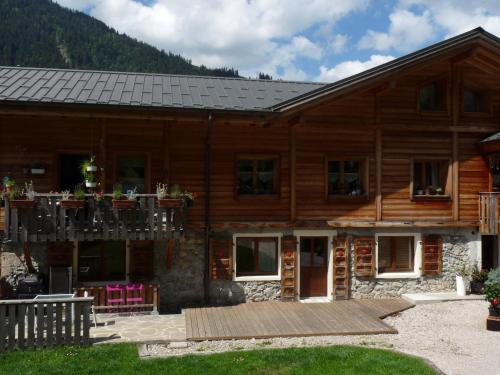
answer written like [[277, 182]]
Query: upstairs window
[[475, 101], [433, 97], [430, 178], [256, 176], [131, 172], [347, 177]]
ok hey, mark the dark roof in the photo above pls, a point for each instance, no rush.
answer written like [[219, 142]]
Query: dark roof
[[19, 84], [491, 138], [60, 86], [406, 60]]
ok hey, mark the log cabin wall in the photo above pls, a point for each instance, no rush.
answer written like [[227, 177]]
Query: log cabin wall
[[346, 126]]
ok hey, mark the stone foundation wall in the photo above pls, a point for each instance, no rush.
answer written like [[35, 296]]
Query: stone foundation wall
[[458, 249], [182, 284], [226, 292], [13, 265]]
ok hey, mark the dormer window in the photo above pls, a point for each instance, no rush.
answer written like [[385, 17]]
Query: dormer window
[[433, 97], [475, 101]]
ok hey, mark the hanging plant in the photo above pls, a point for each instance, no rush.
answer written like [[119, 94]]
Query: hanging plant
[[89, 169]]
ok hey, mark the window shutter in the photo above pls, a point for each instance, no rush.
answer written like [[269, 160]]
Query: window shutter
[[221, 258], [341, 250], [141, 260], [364, 256], [288, 268], [432, 255]]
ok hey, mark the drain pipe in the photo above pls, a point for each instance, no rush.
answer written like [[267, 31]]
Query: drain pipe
[[208, 186]]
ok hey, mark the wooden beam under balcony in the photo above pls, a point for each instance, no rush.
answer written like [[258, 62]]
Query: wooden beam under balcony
[[46, 220]]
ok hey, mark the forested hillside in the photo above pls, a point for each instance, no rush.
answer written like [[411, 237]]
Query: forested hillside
[[40, 33]]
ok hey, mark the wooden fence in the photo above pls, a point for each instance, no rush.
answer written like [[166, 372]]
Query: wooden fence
[[44, 323], [489, 216], [48, 221]]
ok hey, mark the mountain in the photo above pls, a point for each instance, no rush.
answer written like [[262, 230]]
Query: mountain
[[40, 33]]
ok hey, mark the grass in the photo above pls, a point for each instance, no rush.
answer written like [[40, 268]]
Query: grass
[[122, 359]]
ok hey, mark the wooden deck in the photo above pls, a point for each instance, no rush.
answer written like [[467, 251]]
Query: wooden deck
[[279, 319]]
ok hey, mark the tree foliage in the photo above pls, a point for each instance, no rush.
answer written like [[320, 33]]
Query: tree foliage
[[40, 33]]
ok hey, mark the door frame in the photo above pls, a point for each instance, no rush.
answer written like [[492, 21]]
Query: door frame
[[330, 234]]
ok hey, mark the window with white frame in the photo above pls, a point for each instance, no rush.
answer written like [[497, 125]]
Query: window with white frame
[[396, 254], [256, 256]]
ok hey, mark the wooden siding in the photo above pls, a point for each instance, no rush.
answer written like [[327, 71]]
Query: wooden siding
[[343, 126]]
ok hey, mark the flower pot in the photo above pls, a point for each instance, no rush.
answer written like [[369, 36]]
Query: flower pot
[[72, 203], [38, 171], [365, 251], [340, 253], [89, 184], [91, 168], [476, 287], [124, 203], [169, 203], [494, 311], [461, 285], [21, 203]]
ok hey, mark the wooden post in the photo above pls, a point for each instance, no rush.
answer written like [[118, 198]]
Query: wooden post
[[102, 151], [293, 162], [378, 173], [455, 100]]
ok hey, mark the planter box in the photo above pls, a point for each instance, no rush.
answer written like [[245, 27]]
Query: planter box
[[169, 203], [72, 203], [124, 203], [495, 312], [21, 203], [476, 287]]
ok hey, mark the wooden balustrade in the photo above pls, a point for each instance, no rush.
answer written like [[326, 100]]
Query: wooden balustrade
[[150, 295], [2, 218], [48, 221], [489, 222], [44, 323]]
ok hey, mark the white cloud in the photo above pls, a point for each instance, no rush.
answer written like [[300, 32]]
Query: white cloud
[[407, 31], [245, 34], [348, 68], [339, 43]]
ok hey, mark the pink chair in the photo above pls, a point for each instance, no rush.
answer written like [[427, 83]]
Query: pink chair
[[111, 294], [135, 294]]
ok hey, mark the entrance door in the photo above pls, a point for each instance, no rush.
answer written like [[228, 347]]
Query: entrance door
[[313, 266], [70, 174], [489, 252]]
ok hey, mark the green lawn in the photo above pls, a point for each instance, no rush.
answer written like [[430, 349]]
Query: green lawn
[[122, 359]]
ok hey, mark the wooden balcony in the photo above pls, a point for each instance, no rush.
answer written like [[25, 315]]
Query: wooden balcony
[[48, 221], [488, 213]]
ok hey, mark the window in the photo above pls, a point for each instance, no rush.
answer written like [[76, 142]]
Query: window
[[131, 172], [433, 97], [101, 261], [396, 254], [256, 256], [475, 101], [430, 178], [347, 177], [494, 163], [256, 176]]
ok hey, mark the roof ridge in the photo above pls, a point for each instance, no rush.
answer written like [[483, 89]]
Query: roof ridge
[[164, 74]]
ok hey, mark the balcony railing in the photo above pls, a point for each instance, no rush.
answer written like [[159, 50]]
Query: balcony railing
[[488, 213], [47, 220]]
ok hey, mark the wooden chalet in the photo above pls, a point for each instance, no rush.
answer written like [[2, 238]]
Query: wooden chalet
[[376, 185]]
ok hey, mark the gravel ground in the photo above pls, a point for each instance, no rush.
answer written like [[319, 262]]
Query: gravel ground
[[452, 335]]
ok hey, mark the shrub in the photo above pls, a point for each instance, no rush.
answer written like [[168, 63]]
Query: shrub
[[492, 287]]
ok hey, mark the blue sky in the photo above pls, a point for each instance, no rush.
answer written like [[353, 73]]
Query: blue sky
[[320, 40]]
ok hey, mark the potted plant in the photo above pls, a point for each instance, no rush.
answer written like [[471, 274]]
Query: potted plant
[[492, 292], [478, 278], [462, 279], [21, 198], [75, 200], [165, 200], [8, 183], [89, 169], [37, 169], [123, 201], [99, 198], [419, 191], [439, 190]]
